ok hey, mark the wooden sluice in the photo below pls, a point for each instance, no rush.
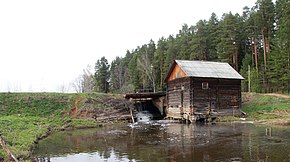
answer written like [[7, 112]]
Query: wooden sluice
[[157, 99], [144, 95]]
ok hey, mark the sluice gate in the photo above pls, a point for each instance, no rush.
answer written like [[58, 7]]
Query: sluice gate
[[153, 103]]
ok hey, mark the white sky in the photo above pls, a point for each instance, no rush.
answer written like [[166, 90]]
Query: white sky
[[46, 44]]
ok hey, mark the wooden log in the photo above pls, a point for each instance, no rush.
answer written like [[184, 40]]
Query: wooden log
[[132, 117], [6, 149]]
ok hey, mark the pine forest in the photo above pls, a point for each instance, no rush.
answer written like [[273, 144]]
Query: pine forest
[[255, 43]]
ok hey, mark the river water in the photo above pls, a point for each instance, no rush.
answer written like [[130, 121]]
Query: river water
[[164, 141]]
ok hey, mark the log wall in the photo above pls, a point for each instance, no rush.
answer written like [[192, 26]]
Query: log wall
[[178, 97], [187, 96]]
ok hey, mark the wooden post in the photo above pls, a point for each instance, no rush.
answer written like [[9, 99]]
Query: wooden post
[[269, 131], [131, 111], [133, 121], [3, 144]]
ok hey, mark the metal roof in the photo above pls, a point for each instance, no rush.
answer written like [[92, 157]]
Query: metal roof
[[208, 69]]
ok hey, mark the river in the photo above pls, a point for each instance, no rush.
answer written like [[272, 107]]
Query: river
[[164, 141]]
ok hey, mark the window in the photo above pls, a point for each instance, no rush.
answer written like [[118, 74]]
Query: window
[[182, 87], [174, 88], [204, 85]]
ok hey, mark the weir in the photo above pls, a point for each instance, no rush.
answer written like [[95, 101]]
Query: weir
[[149, 102]]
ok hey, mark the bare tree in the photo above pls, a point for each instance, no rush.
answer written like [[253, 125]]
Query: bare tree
[[84, 82], [77, 84], [63, 88], [146, 67], [88, 79]]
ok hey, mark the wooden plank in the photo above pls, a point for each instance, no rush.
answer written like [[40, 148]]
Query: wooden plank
[[6, 149], [144, 95], [177, 72]]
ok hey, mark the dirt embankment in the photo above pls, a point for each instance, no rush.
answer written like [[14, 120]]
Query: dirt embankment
[[278, 95], [102, 108], [246, 97]]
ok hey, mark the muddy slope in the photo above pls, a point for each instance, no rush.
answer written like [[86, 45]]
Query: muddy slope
[[102, 108]]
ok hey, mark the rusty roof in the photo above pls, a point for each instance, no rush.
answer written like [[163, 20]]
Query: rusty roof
[[206, 69]]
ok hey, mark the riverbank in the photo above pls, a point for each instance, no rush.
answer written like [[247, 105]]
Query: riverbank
[[26, 118], [268, 109], [264, 109]]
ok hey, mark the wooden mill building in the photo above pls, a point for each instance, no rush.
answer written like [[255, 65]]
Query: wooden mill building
[[202, 90]]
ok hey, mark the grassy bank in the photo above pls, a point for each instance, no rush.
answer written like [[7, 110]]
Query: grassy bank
[[27, 117], [267, 108]]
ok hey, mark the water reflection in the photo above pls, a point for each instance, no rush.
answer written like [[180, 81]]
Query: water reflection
[[164, 141]]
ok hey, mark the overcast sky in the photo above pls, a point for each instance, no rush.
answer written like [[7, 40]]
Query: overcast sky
[[46, 44]]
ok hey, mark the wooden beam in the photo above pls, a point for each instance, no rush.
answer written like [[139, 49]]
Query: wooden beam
[[144, 95], [3, 144]]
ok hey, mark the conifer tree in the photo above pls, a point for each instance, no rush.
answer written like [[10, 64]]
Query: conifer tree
[[102, 75]]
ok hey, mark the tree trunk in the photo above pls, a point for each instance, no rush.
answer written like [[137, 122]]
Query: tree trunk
[[264, 48], [264, 40], [161, 73], [256, 55], [265, 84], [237, 59], [289, 87], [289, 68], [269, 37], [253, 51]]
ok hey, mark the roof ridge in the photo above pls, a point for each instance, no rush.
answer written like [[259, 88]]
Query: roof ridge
[[202, 61]]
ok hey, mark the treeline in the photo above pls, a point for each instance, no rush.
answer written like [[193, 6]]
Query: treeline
[[256, 44]]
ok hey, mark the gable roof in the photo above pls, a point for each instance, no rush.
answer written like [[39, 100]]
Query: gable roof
[[205, 69]]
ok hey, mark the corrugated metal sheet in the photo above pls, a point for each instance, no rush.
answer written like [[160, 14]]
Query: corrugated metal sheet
[[208, 69]]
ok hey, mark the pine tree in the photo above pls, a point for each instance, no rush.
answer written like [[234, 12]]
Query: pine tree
[[279, 62], [117, 75], [133, 73], [102, 75], [182, 40], [229, 33], [200, 41], [159, 63], [259, 38], [266, 12], [212, 38], [171, 53], [247, 61]]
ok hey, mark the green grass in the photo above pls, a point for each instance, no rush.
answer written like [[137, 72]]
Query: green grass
[[26, 116], [20, 132], [35, 104], [262, 102], [265, 107]]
